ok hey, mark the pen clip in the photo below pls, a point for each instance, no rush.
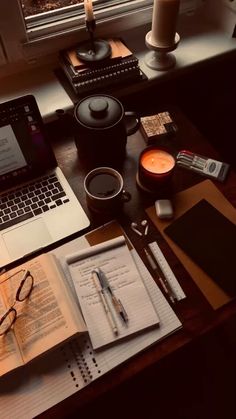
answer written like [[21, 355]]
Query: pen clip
[[102, 279]]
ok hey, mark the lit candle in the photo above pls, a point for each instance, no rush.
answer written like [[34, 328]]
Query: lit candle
[[88, 7], [164, 22], [155, 167]]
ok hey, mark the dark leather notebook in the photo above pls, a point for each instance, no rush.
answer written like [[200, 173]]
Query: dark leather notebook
[[209, 238]]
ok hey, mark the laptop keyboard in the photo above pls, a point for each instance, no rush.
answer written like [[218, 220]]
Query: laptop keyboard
[[31, 200]]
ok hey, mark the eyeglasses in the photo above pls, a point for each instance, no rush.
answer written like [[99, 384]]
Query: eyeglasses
[[23, 292]]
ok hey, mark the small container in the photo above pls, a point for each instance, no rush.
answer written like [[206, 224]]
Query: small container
[[205, 166], [156, 166], [157, 126], [164, 209]]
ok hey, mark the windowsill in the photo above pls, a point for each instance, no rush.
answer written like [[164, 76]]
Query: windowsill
[[200, 42]]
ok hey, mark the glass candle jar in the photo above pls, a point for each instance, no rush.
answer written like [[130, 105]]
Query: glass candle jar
[[155, 169]]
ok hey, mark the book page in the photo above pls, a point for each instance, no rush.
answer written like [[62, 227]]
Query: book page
[[115, 261], [49, 316], [10, 356], [54, 377]]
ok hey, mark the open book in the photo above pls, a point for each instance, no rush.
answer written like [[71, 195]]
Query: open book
[[48, 317], [115, 303], [53, 378]]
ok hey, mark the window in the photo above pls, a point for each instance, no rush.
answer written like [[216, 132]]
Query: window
[[71, 17], [34, 7], [43, 32]]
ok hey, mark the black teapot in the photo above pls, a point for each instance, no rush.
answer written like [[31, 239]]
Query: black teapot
[[101, 127]]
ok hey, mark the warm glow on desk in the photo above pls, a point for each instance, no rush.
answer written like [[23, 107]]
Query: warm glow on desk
[[156, 166], [157, 161]]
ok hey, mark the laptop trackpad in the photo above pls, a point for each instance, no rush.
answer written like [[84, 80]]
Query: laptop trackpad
[[24, 239]]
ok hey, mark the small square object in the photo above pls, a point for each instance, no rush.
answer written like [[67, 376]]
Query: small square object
[[156, 126], [164, 208]]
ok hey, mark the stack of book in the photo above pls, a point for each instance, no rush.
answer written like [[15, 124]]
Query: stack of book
[[121, 67]]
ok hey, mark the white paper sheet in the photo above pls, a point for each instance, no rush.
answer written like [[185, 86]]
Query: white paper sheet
[[67, 370], [116, 262]]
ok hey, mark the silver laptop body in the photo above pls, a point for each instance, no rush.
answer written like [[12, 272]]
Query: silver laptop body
[[37, 204]]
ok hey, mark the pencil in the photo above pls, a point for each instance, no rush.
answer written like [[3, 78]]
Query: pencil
[[164, 283]]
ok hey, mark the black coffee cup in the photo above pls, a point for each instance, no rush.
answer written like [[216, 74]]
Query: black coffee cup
[[104, 188], [101, 127]]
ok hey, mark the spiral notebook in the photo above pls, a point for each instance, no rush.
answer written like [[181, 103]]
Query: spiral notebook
[[116, 265], [68, 369]]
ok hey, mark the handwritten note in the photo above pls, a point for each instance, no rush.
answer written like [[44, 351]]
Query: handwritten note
[[115, 260]]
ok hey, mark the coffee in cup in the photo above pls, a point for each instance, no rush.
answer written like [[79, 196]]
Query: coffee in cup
[[104, 188]]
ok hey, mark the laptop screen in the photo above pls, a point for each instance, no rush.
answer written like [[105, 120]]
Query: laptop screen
[[24, 149]]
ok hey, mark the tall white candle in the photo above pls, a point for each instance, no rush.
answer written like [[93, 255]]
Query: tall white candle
[[164, 22], [88, 7]]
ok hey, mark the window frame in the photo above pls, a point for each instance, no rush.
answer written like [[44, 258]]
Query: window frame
[[31, 44]]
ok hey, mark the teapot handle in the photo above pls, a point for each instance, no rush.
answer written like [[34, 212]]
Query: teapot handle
[[132, 122]]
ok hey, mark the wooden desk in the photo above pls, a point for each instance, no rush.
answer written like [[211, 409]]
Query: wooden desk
[[198, 318]]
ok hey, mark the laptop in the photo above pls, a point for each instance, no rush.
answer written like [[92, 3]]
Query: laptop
[[37, 204]]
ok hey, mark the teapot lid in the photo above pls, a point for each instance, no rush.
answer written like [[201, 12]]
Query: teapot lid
[[99, 111]]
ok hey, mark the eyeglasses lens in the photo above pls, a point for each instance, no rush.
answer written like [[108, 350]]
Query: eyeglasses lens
[[25, 288], [7, 321], [22, 294]]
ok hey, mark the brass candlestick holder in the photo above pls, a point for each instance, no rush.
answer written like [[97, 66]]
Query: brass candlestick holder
[[95, 49], [160, 58]]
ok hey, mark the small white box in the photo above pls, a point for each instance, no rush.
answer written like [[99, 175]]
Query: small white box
[[164, 208]]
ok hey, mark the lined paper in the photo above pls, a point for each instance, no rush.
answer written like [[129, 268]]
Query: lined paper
[[66, 370], [114, 259]]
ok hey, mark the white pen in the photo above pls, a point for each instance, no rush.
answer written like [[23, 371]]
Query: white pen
[[104, 301], [115, 301]]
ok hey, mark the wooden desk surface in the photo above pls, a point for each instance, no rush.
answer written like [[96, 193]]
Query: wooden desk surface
[[196, 314]]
